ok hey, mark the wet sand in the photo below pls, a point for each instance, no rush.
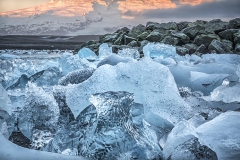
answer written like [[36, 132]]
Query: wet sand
[[44, 41]]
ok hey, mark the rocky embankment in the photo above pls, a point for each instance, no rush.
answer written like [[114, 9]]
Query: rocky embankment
[[200, 37]]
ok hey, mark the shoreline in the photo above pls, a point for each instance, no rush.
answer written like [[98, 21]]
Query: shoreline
[[27, 42]]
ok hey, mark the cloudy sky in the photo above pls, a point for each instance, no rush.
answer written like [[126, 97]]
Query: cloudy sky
[[9, 5], [154, 9]]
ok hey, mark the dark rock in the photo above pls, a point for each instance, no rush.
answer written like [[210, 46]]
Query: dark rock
[[94, 47], [142, 44], [182, 50], [237, 37], [181, 36], [216, 26], [116, 48], [191, 47], [168, 26], [216, 46], [142, 36], [228, 34], [154, 36], [108, 38], [137, 30], [91, 42], [193, 150], [237, 48], [133, 44], [120, 39], [201, 50], [193, 31], [235, 23], [128, 39], [205, 39], [152, 25], [228, 45], [200, 22], [170, 40], [161, 26], [123, 30], [182, 25]]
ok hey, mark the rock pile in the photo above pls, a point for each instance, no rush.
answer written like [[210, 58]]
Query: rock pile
[[200, 37]]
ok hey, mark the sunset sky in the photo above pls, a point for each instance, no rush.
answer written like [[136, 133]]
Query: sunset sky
[[139, 8]]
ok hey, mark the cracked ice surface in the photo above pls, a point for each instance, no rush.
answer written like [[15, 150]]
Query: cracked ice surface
[[154, 87]]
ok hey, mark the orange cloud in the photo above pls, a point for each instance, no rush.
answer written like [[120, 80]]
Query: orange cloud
[[193, 2]]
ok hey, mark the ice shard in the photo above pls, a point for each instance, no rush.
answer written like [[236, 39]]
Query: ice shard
[[40, 112]]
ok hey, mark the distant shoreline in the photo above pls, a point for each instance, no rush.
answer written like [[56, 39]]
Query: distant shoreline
[[40, 42]]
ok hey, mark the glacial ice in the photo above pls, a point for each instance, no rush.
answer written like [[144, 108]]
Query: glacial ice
[[155, 50], [113, 60], [203, 77], [77, 76], [5, 102], [87, 53], [6, 124], [225, 93], [128, 52], [11, 151], [104, 51], [71, 62], [205, 82], [193, 150], [151, 87], [135, 109], [40, 112], [222, 135], [118, 120], [180, 134]]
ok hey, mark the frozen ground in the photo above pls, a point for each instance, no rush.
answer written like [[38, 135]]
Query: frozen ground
[[119, 106]]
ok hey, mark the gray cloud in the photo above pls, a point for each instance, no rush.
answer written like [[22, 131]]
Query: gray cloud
[[217, 9]]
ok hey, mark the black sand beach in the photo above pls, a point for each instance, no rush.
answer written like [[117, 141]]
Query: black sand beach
[[44, 41]]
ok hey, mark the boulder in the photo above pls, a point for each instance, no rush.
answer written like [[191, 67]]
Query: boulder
[[170, 40], [201, 50], [215, 26], [182, 50], [191, 47], [123, 30], [162, 26], [168, 26], [133, 44], [120, 39], [205, 39], [228, 34], [235, 23], [152, 25], [137, 30], [228, 45], [193, 31], [128, 39], [116, 48], [216, 46], [154, 36], [237, 48], [142, 44], [200, 22], [142, 36], [181, 36], [236, 37], [108, 38], [182, 25]]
